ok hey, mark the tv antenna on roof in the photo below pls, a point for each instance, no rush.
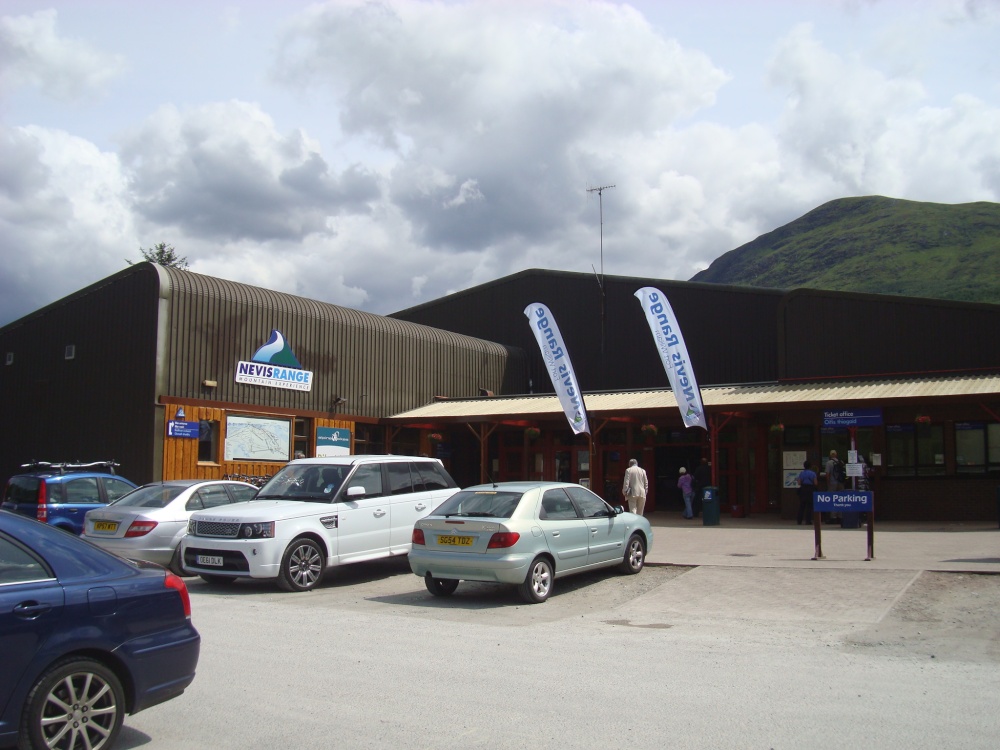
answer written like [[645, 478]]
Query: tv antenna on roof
[[600, 279]]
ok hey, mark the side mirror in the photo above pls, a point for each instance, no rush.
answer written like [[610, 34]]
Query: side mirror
[[355, 491], [618, 510]]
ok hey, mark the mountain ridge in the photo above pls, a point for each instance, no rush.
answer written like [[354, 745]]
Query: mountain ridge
[[878, 245]]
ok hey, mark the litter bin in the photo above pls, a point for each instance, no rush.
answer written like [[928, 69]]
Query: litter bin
[[710, 506], [850, 520]]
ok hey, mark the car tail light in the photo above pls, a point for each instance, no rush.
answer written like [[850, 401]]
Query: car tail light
[[175, 582], [503, 539], [43, 509], [418, 537], [140, 528]]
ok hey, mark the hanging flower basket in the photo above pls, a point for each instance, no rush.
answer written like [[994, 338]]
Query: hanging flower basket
[[777, 427], [532, 433], [649, 430], [923, 419], [435, 437]]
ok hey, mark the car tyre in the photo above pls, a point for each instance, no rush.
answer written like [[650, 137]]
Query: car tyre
[[176, 564], [215, 580], [440, 586], [538, 583], [635, 555], [301, 566], [78, 702]]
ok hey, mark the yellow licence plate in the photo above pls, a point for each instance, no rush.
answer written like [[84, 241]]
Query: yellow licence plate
[[105, 526], [455, 541]]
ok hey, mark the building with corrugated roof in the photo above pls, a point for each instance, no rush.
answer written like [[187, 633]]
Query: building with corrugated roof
[[175, 374], [913, 385]]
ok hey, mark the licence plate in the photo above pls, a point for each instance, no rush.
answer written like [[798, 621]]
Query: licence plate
[[105, 526], [210, 560], [455, 541]]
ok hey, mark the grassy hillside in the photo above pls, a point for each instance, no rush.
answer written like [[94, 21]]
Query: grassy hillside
[[877, 245]]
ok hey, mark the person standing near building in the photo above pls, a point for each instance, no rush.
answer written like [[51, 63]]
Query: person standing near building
[[807, 486], [635, 487], [685, 484], [835, 476], [702, 479]]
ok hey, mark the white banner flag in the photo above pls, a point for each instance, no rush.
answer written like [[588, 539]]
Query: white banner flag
[[673, 354], [550, 341]]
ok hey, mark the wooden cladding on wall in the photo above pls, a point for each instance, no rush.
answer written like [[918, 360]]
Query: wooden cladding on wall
[[180, 455]]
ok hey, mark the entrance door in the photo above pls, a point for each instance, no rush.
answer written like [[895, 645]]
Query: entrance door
[[669, 460]]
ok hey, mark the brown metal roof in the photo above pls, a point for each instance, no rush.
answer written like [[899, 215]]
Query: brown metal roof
[[720, 398]]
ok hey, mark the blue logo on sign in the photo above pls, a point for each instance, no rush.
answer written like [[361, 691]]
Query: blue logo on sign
[[276, 352]]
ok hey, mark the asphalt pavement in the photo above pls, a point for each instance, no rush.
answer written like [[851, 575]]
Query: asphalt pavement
[[763, 568]]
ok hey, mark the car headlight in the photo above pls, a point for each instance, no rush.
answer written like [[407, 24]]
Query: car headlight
[[257, 530]]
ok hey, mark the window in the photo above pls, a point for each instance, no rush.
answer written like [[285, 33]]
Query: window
[[590, 505], [208, 441], [556, 506], [213, 496], [18, 566], [399, 478], [240, 493], [914, 450], [433, 477], [115, 488], [977, 447], [83, 490], [369, 439], [368, 476]]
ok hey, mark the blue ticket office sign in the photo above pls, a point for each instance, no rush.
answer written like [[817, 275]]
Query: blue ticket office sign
[[179, 429], [844, 501]]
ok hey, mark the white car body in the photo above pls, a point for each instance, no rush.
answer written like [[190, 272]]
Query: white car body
[[299, 525]]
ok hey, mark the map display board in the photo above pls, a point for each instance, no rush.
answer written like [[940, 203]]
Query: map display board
[[257, 439]]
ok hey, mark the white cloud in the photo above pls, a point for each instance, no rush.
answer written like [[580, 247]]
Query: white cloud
[[405, 150], [32, 53]]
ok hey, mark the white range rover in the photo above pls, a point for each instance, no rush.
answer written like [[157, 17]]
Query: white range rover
[[316, 513]]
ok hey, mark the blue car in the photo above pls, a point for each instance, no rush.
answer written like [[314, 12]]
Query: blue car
[[61, 494], [85, 638]]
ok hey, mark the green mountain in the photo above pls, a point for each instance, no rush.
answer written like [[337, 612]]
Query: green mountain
[[876, 245]]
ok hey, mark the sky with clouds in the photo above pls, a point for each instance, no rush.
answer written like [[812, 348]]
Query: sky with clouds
[[377, 155]]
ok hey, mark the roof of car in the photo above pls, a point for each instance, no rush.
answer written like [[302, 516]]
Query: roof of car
[[357, 459], [519, 486]]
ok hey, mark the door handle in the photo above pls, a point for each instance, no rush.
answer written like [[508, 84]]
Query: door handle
[[379, 513], [31, 610], [421, 506]]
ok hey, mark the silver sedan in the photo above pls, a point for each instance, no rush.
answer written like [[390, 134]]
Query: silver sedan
[[148, 522], [527, 534]]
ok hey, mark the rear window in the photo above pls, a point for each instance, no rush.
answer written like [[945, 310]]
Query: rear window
[[22, 490], [150, 496], [480, 503]]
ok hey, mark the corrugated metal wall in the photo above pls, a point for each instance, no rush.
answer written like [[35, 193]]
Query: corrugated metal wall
[[733, 334], [729, 331], [379, 365], [96, 406], [829, 334]]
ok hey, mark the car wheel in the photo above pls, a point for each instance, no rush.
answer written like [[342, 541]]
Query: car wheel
[[301, 566], [217, 580], [440, 586], [635, 555], [175, 566], [538, 583], [76, 703]]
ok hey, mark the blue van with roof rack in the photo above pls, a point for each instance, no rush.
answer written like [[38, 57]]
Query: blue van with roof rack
[[60, 494]]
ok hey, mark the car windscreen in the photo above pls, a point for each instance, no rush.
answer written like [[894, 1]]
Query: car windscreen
[[480, 503], [148, 496], [316, 483]]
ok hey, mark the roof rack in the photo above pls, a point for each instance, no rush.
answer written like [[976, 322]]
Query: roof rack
[[62, 468]]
